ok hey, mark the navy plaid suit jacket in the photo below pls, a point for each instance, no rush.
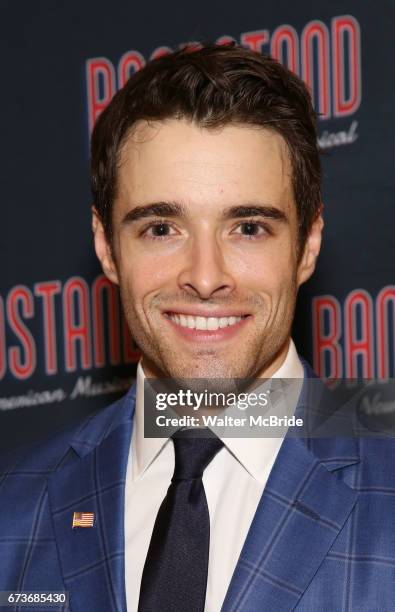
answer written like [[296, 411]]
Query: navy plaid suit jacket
[[322, 539]]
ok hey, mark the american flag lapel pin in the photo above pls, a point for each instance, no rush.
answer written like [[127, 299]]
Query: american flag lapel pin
[[83, 519]]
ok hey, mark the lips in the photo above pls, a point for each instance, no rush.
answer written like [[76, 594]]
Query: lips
[[202, 323]]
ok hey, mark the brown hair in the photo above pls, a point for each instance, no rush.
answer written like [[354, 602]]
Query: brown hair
[[213, 86]]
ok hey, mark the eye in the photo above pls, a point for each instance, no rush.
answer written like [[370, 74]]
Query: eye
[[157, 231], [252, 229]]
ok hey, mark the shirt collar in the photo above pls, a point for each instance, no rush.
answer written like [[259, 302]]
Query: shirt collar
[[253, 453], [144, 450]]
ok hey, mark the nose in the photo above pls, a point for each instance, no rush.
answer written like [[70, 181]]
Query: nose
[[204, 272]]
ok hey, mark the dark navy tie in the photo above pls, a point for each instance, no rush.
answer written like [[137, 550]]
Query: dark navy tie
[[175, 571]]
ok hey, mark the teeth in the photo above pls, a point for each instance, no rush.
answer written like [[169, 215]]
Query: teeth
[[201, 323], [212, 323], [204, 323]]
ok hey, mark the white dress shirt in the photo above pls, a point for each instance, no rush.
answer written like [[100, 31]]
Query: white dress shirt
[[234, 482]]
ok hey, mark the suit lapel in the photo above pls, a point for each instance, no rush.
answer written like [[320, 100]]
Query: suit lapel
[[92, 558], [301, 512]]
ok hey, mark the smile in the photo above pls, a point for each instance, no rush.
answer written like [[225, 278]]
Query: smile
[[204, 323]]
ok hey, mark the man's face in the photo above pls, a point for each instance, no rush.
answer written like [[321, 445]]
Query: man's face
[[205, 249]]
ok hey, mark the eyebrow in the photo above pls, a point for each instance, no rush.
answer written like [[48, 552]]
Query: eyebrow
[[174, 209], [254, 210], [157, 209]]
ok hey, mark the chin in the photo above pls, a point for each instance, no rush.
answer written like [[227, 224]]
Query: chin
[[213, 370]]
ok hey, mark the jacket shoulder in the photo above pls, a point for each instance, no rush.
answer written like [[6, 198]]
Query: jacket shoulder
[[48, 454]]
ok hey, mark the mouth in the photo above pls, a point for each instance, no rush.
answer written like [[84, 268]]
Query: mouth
[[196, 327], [204, 323]]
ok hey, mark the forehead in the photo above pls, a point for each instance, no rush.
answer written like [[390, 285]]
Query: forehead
[[178, 160]]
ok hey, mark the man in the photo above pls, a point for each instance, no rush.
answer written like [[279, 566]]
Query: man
[[207, 214]]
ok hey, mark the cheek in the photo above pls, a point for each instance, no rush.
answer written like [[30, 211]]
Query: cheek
[[143, 273], [268, 269]]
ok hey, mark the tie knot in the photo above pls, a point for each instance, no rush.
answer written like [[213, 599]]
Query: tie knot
[[193, 450]]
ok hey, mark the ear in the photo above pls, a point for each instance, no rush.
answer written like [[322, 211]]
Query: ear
[[311, 250], [103, 249]]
